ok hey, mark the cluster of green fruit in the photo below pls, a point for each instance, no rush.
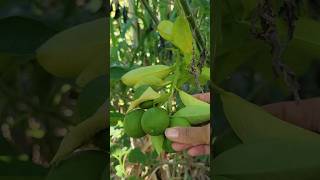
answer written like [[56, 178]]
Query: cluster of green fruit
[[145, 114]]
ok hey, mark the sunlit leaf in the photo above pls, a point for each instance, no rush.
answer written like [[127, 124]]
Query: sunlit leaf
[[182, 35], [165, 30]]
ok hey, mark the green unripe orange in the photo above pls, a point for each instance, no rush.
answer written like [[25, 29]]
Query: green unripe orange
[[175, 122], [179, 122], [132, 124], [155, 121]]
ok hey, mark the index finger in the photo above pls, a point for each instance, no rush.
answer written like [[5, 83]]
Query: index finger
[[203, 97]]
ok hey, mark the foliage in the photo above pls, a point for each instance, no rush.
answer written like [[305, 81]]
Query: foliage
[[144, 34], [267, 52], [37, 108]]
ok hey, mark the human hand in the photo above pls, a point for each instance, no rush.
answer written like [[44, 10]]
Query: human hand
[[305, 113], [194, 139]]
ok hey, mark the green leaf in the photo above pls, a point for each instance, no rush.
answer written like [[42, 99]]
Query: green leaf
[[116, 72], [225, 141], [92, 96], [136, 156], [276, 160], [165, 29], [194, 114], [189, 100], [134, 178], [157, 143], [85, 165], [252, 124], [182, 35], [81, 133], [115, 117]]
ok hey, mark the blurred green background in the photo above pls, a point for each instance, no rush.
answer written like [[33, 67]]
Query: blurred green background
[[36, 108]]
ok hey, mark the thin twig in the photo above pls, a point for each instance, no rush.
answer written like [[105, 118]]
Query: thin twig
[[192, 22], [154, 18]]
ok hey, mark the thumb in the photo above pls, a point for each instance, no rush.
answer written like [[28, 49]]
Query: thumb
[[189, 135]]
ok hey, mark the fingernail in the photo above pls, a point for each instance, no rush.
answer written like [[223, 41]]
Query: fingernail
[[171, 132]]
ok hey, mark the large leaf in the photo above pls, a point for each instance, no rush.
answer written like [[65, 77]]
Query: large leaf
[[276, 160], [182, 35], [165, 29], [82, 133], [86, 165], [92, 96], [136, 156], [252, 124], [116, 72]]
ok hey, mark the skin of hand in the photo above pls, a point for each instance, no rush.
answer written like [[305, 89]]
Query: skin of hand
[[194, 139], [304, 113]]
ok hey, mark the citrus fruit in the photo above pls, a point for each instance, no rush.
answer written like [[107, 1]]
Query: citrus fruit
[[132, 124], [175, 122], [179, 122], [154, 121]]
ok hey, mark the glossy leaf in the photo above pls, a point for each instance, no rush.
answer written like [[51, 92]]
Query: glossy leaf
[[157, 143], [182, 35], [81, 134], [86, 165], [276, 160], [136, 156], [165, 29], [194, 114], [189, 100], [148, 94], [92, 96]]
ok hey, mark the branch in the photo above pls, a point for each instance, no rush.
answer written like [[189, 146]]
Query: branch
[[154, 18], [192, 22]]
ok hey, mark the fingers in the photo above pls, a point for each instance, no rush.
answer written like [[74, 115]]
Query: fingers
[[193, 150], [203, 97], [304, 113], [189, 135], [180, 147], [199, 150]]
